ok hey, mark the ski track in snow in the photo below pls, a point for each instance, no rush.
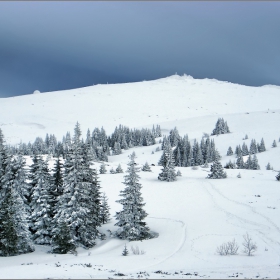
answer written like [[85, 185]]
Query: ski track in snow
[[262, 229], [182, 241]]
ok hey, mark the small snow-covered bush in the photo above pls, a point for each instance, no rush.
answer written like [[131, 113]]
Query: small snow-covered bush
[[229, 248], [137, 251]]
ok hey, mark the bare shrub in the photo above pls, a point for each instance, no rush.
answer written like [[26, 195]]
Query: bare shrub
[[249, 245], [229, 248], [137, 251]]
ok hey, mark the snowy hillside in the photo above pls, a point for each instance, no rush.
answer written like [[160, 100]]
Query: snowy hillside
[[139, 104], [193, 215]]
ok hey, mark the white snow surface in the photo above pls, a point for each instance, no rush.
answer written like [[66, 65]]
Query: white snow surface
[[193, 215]]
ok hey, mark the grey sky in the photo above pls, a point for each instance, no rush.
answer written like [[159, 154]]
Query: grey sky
[[60, 45]]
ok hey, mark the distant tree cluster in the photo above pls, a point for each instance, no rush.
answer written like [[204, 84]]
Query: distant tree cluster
[[98, 142], [185, 154], [221, 127]]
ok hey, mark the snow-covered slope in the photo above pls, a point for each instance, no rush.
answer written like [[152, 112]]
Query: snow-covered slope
[[193, 215], [132, 104]]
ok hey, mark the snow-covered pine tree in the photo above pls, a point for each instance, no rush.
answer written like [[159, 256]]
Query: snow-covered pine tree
[[230, 165], [61, 242], [158, 131], [102, 169], [229, 151], [14, 232], [168, 172], [274, 144], [238, 150], [245, 150], [104, 209], [146, 167], [253, 147], [119, 169], [117, 148], [125, 251], [178, 173], [131, 218], [56, 186], [240, 162], [278, 177], [255, 164], [113, 171], [248, 163], [15, 237], [221, 127], [41, 204], [268, 167], [262, 146], [217, 171], [79, 205]]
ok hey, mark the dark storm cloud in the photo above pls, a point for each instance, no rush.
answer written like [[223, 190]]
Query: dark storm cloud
[[59, 45]]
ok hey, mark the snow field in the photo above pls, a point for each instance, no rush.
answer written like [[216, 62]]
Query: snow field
[[193, 215]]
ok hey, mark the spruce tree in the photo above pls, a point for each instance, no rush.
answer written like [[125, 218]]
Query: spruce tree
[[255, 164], [119, 169], [62, 243], [146, 167], [278, 177], [79, 205], [274, 144], [130, 218], [262, 146], [41, 204], [217, 171], [15, 237], [168, 172], [229, 151], [104, 209], [102, 169], [268, 167]]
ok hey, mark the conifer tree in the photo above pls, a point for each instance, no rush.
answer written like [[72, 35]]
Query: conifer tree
[[229, 151], [240, 162], [119, 169], [41, 204], [255, 164], [131, 218], [102, 169], [79, 205], [15, 237], [168, 172], [62, 243], [104, 209], [278, 177], [146, 167], [112, 171], [178, 173], [217, 171], [268, 167], [274, 144], [245, 150], [262, 146]]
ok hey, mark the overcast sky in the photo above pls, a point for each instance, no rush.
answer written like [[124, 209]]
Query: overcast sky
[[51, 46]]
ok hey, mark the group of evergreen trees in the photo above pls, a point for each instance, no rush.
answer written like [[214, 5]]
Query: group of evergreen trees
[[62, 207], [221, 127], [244, 151], [55, 208], [185, 154], [100, 144]]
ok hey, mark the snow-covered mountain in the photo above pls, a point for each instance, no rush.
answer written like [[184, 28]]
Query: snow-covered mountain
[[193, 216], [170, 99]]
